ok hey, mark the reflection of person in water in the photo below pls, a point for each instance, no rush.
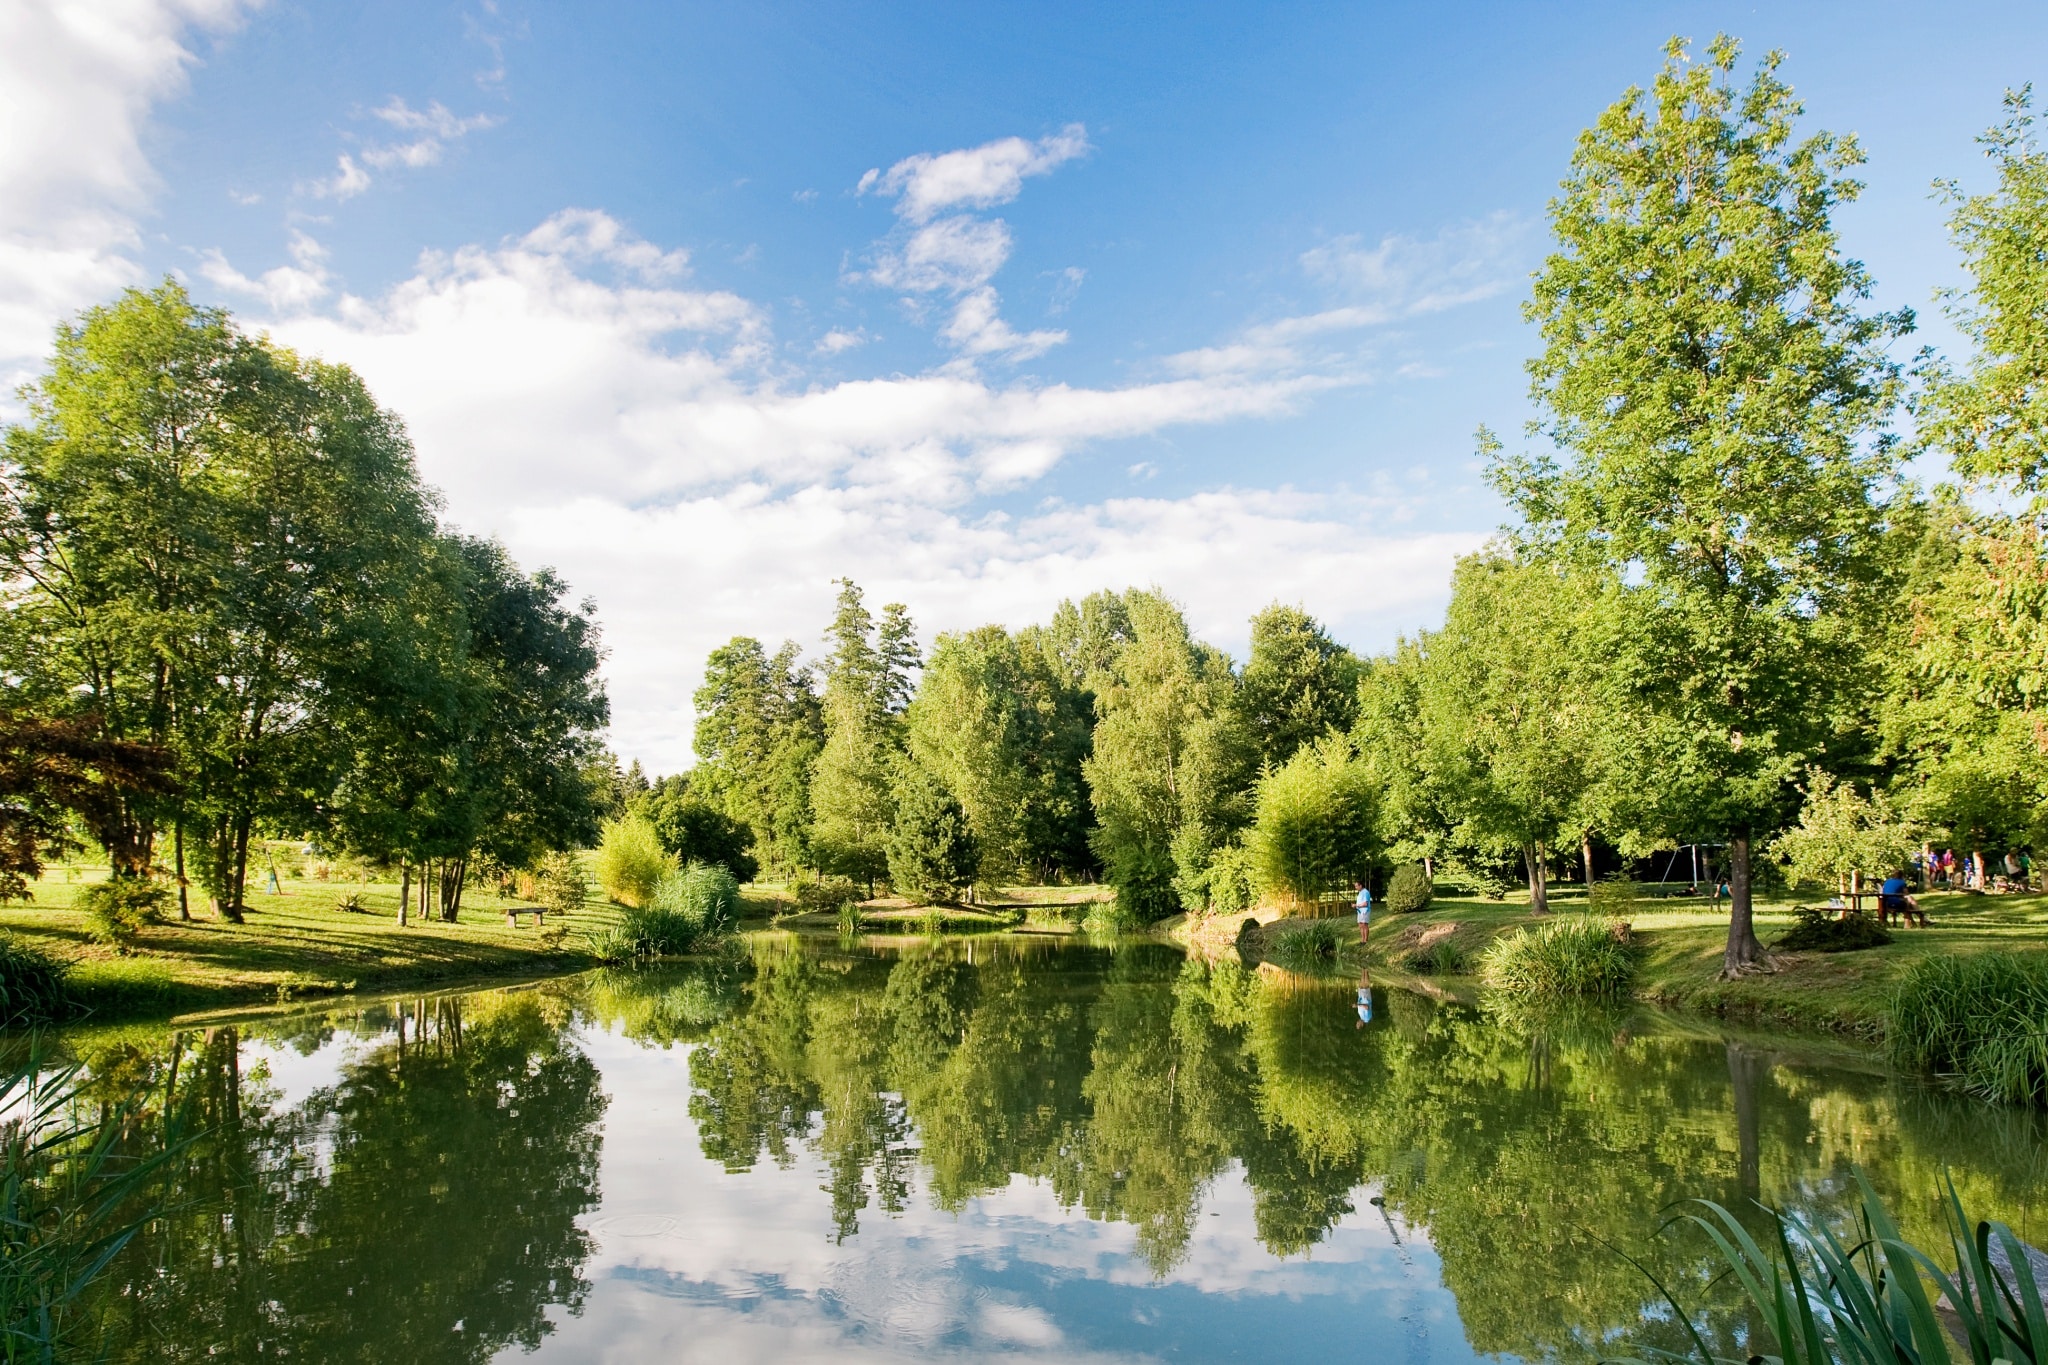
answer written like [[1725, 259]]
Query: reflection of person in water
[[1364, 999]]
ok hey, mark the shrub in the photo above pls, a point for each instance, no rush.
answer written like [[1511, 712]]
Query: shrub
[[122, 908], [1615, 898], [1315, 946], [1819, 931], [827, 893], [1233, 881], [33, 989], [688, 909], [1409, 889], [692, 830], [631, 861], [706, 894], [1579, 955], [1982, 1021], [558, 884]]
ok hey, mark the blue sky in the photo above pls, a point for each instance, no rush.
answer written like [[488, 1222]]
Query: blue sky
[[1204, 296]]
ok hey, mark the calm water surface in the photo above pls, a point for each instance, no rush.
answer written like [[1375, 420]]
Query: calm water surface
[[993, 1147]]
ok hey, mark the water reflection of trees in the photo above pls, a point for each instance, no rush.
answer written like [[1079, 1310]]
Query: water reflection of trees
[[423, 1208], [1129, 1080]]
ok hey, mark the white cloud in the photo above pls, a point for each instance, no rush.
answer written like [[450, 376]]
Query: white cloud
[[634, 436], [348, 181], [976, 329], [955, 253], [1461, 264], [435, 119], [978, 177], [76, 84], [285, 288], [839, 339]]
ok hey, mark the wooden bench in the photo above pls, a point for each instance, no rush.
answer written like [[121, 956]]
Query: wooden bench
[[540, 916], [1856, 896]]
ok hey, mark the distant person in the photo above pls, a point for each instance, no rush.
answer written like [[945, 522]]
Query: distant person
[[1362, 903], [1893, 899], [2026, 870], [2012, 867]]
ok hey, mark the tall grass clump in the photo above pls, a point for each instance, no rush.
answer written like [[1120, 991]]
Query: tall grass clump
[[1857, 1297], [1578, 955], [1982, 1021], [1315, 946], [631, 861], [69, 1201], [33, 985], [686, 910]]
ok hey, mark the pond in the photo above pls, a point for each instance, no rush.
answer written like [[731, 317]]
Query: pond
[[994, 1146]]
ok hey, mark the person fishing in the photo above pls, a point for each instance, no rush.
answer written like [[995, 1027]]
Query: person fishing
[[1363, 904]]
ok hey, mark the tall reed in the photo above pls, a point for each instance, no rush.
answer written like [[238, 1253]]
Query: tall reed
[[1981, 1021], [1827, 1299]]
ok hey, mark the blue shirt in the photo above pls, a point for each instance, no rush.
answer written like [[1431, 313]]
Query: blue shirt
[[1893, 886], [1364, 904]]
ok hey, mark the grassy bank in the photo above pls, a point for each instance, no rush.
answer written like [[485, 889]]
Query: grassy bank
[[299, 942], [1682, 941]]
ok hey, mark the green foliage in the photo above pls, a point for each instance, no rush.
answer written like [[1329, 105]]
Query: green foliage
[[1841, 832], [1571, 956], [1233, 883], [558, 884], [1409, 889], [1171, 764], [1298, 686], [1825, 931], [68, 1202], [119, 909], [694, 830], [932, 853], [998, 722], [1443, 956], [867, 685], [1722, 402], [1315, 831], [1834, 1298], [631, 861], [1992, 419], [33, 989], [688, 908], [1316, 946], [1981, 1021], [828, 894], [1614, 898], [759, 729]]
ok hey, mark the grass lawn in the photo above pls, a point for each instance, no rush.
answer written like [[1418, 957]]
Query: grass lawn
[[295, 943], [1683, 941]]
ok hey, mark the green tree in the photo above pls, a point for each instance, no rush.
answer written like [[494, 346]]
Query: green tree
[[1171, 768], [1298, 685], [1512, 709], [1721, 399], [759, 730], [932, 852], [695, 831], [1315, 827], [867, 685], [995, 721], [1414, 805]]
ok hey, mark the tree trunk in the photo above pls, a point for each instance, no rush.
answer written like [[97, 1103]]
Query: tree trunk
[[1539, 890], [1976, 869], [404, 891], [232, 904], [178, 846], [1745, 1074], [1586, 859], [451, 897], [1744, 952]]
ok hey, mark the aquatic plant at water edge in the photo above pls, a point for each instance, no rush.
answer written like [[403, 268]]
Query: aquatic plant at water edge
[[1440, 957], [33, 988], [1830, 1299], [1821, 931], [688, 908], [1578, 955], [1317, 945], [68, 1198], [631, 861], [1981, 1020]]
